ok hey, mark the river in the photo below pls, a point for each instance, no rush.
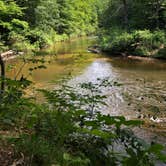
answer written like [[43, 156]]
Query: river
[[141, 96]]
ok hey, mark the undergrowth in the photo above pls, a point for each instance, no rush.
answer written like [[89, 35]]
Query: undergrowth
[[137, 42], [69, 130]]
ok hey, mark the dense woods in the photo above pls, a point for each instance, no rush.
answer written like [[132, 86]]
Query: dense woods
[[134, 27], [68, 129], [35, 24], [135, 14]]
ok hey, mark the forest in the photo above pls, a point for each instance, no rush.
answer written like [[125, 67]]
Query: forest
[[61, 104], [36, 24], [135, 27], [140, 25]]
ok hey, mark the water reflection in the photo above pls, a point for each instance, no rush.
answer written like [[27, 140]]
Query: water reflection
[[99, 68]]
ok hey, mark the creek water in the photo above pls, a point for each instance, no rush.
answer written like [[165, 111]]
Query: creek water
[[141, 96]]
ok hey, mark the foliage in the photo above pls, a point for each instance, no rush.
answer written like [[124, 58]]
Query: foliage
[[66, 17], [134, 27], [68, 130], [43, 22], [138, 42], [10, 22], [142, 14]]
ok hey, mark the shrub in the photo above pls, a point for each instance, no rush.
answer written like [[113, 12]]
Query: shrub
[[161, 53], [43, 39], [18, 42], [3, 47], [38, 37], [139, 42]]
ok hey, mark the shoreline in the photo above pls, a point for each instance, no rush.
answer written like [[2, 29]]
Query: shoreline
[[132, 57]]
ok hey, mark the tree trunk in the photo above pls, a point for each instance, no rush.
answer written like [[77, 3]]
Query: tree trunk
[[2, 76], [157, 14], [126, 20]]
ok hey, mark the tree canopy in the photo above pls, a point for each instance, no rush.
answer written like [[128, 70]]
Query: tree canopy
[[137, 14]]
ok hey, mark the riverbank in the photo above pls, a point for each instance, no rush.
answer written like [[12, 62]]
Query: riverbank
[[142, 43]]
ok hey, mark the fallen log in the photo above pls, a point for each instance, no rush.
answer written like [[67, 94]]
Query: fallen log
[[8, 55]]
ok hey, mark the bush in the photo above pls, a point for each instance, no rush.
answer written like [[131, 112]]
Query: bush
[[42, 39], [139, 42], [38, 37], [19, 42], [161, 53], [3, 47]]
